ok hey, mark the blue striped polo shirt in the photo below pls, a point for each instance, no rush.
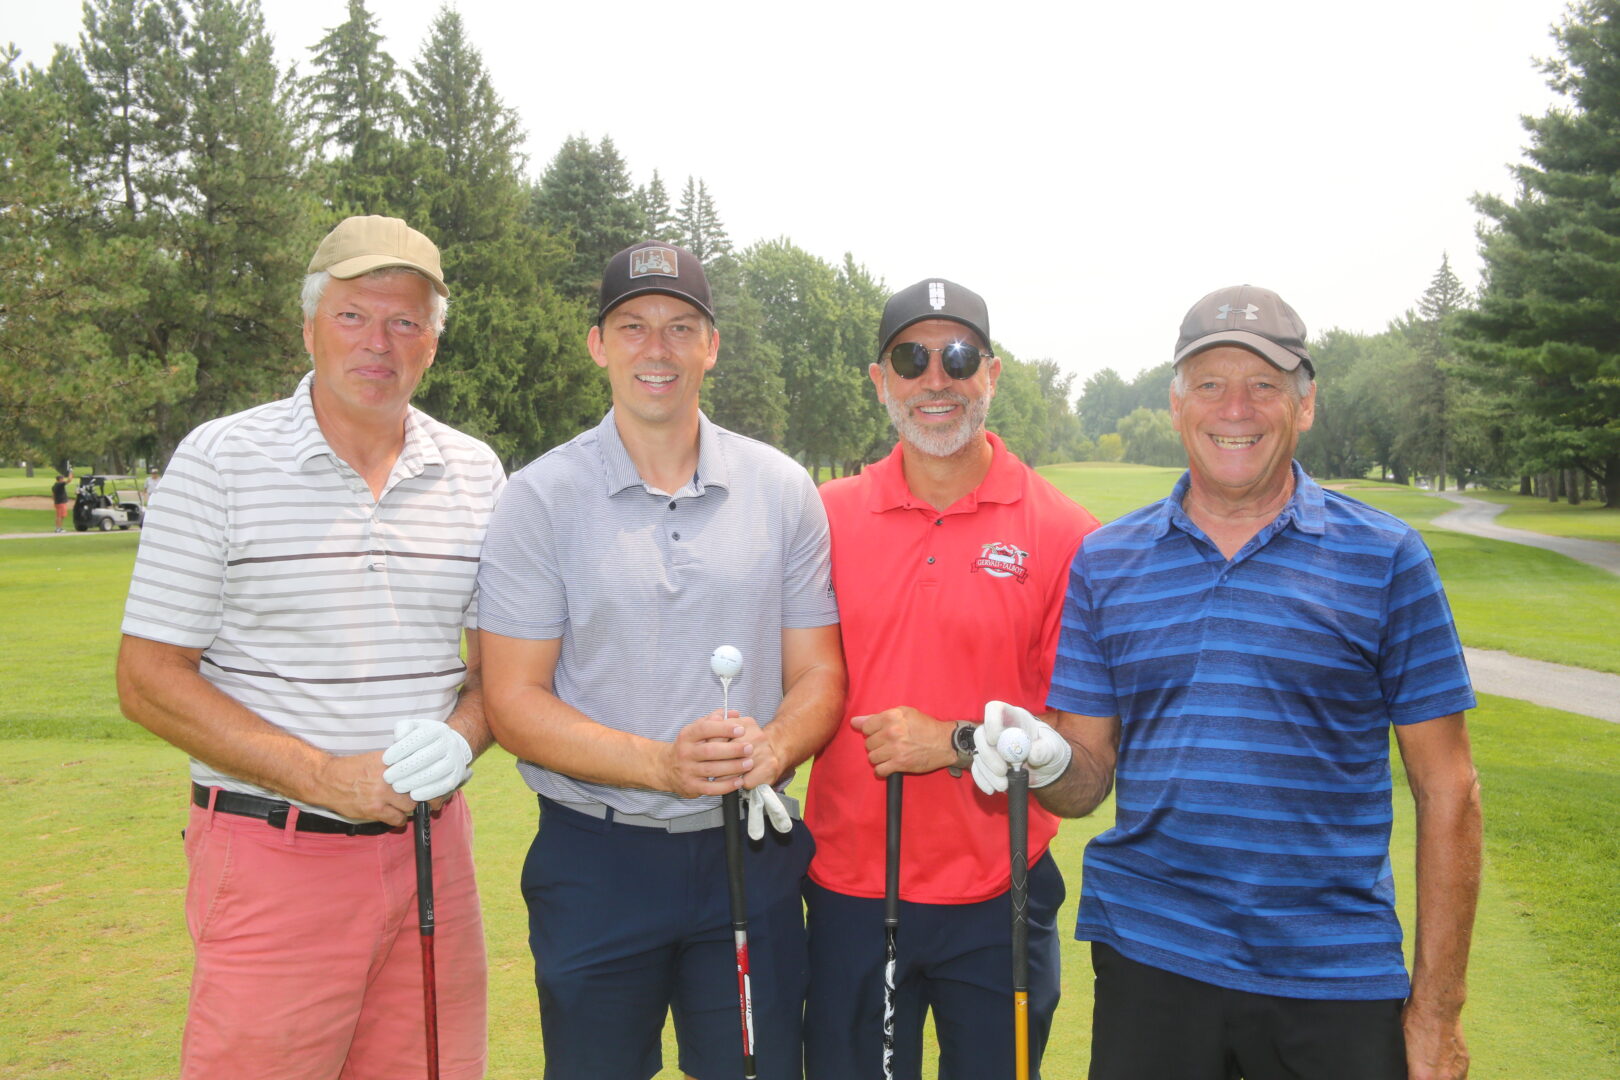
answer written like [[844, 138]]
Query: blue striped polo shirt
[[1251, 845]]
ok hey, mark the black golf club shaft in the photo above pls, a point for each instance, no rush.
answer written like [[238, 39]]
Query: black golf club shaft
[[891, 916], [731, 808], [1018, 837], [424, 914]]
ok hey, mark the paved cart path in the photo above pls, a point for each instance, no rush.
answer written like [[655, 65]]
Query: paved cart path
[[1477, 517]]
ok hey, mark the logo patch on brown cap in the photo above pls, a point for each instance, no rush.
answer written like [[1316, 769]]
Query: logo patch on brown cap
[[661, 261]]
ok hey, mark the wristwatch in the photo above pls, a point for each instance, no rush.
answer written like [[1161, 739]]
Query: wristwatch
[[962, 740]]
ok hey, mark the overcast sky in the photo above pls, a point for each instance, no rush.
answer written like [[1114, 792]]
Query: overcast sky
[[1090, 169]]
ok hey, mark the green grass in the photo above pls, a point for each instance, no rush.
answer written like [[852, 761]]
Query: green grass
[[1518, 599], [40, 521], [97, 960], [64, 600], [1108, 489]]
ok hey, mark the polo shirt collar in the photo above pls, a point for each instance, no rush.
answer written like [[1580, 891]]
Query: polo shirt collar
[[1306, 509], [1005, 482], [308, 442], [620, 472]]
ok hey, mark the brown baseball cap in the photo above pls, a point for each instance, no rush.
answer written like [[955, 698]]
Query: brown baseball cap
[[653, 266], [1249, 317], [360, 245]]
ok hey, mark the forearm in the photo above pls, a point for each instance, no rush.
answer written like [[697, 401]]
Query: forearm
[[1448, 868], [169, 698], [537, 726], [1090, 775], [808, 715], [468, 715]]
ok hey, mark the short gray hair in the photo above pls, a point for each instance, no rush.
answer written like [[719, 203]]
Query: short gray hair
[[1299, 380], [315, 287]]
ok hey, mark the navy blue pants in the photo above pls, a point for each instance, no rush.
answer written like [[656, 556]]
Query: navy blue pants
[[1149, 1024], [628, 922], [953, 959]]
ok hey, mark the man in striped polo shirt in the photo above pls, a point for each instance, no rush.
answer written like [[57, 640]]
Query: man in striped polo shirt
[[616, 563], [1248, 642], [294, 623]]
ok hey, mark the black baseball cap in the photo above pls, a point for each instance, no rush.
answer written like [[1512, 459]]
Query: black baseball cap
[[653, 266], [933, 298], [1251, 318]]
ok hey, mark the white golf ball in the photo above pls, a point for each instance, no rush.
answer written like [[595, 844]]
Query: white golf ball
[[1013, 745], [726, 662]]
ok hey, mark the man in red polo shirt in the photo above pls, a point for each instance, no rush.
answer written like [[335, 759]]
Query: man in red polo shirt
[[950, 559]]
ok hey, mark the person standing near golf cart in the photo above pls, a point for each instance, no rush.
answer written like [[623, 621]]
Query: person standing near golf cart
[[950, 558], [615, 565], [1247, 643], [294, 623], [60, 498]]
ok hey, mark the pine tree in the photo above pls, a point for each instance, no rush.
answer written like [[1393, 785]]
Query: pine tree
[[660, 221], [1547, 329], [585, 196], [699, 225], [511, 367]]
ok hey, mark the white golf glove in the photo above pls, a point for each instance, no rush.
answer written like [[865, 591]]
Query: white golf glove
[[428, 759], [763, 802], [1049, 752]]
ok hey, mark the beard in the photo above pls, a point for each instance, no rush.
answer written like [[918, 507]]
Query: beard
[[943, 440]]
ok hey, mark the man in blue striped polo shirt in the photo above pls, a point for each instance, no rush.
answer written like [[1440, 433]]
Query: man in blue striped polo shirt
[[1246, 644]]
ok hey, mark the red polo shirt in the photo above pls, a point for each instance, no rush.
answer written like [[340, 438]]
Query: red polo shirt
[[942, 611]]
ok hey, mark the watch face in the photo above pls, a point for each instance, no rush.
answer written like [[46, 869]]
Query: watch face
[[964, 738]]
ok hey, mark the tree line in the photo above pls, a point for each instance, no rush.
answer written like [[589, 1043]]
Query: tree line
[[1518, 385], [163, 182]]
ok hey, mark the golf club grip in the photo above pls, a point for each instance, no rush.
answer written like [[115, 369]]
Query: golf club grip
[[424, 912], [424, 868], [1018, 838], [891, 859], [731, 812], [891, 914], [1018, 842]]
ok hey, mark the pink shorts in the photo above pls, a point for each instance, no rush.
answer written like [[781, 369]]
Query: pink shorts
[[309, 959]]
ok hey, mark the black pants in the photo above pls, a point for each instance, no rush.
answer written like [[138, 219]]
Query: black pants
[[1150, 1024]]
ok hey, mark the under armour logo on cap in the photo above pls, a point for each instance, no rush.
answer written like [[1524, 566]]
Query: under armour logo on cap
[[1272, 329], [936, 295]]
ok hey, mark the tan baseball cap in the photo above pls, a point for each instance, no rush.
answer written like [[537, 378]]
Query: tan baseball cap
[[360, 245]]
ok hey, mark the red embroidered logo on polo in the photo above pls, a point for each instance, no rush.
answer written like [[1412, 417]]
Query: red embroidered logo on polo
[[1002, 561]]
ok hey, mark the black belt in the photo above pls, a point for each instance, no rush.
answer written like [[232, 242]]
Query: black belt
[[274, 812]]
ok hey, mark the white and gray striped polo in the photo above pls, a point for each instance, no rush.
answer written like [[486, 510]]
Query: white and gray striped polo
[[641, 586], [328, 612]]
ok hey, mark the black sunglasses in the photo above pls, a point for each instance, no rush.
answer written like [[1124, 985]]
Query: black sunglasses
[[960, 359]]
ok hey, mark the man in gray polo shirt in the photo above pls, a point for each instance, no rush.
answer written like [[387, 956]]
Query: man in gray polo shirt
[[615, 564], [294, 624]]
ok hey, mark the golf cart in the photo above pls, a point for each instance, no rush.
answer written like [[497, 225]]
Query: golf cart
[[107, 503]]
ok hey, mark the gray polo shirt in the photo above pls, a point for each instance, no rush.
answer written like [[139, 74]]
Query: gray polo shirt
[[641, 585]]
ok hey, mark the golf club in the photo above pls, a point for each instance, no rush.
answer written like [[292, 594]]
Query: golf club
[[424, 916], [726, 663], [1013, 746], [891, 917]]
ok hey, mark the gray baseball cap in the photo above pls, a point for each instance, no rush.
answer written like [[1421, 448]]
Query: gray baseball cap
[[1251, 318]]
